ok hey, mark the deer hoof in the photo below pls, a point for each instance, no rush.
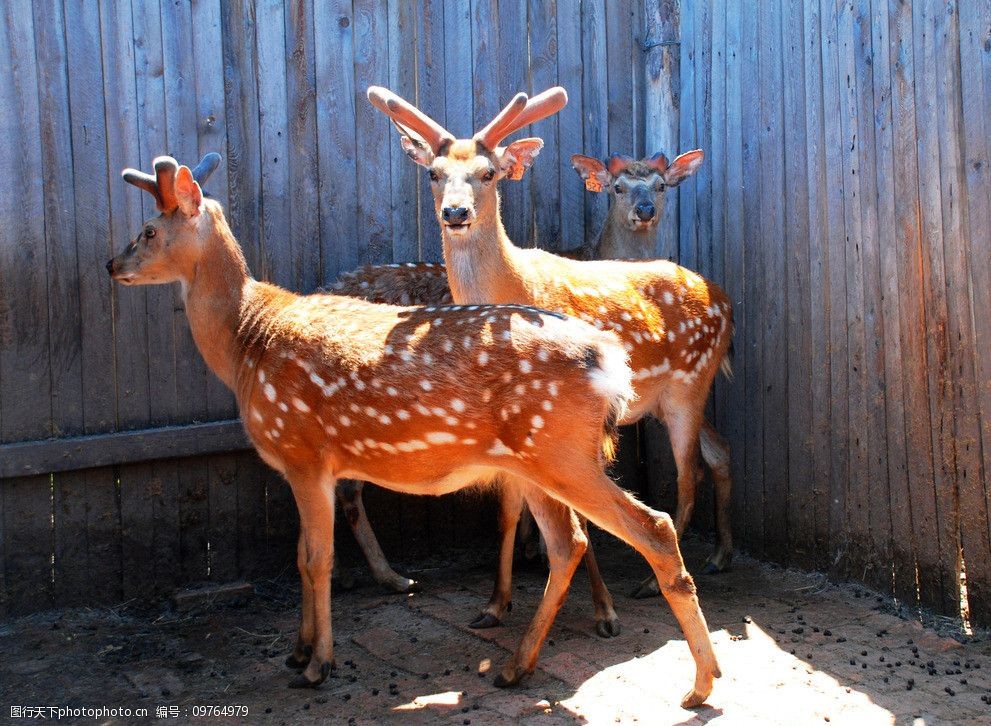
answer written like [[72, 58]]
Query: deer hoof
[[485, 620], [693, 699], [298, 663], [717, 563], [647, 588], [504, 680], [305, 681], [402, 585], [608, 628]]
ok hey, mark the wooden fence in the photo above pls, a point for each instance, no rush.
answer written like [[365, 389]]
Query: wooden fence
[[844, 204], [106, 491]]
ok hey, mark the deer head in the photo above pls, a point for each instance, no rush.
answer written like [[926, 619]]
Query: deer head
[[636, 187], [464, 172], [169, 244]]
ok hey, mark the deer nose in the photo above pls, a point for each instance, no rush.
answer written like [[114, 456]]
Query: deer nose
[[110, 266], [645, 211], [455, 215]]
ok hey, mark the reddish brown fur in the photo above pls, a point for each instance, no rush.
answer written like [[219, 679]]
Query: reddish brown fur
[[420, 400], [676, 326]]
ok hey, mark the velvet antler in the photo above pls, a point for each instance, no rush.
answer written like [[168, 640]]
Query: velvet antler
[[162, 185]]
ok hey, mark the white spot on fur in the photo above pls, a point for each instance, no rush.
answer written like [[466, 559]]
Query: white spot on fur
[[300, 405], [537, 421], [426, 385], [458, 405], [668, 297], [441, 437], [499, 449], [345, 421], [483, 358], [402, 414], [270, 392]]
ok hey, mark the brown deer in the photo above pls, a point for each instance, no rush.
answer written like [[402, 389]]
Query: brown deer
[[636, 190], [419, 400], [676, 325], [636, 193]]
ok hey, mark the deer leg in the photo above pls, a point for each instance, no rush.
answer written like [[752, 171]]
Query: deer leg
[[683, 430], [653, 535], [606, 621], [510, 506], [354, 512], [300, 655], [715, 453], [566, 543], [315, 499]]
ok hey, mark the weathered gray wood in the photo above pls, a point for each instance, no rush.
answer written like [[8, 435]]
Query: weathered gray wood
[[516, 199], [430, 81], [571, 132], [545, 179], [595, 110], [402, 79], [662, 114], [800, 506], [48, 456], [975, 71]]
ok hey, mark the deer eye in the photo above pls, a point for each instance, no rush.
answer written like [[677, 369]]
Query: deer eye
[[618, 189], [434, 176], [489, 175], [149, 232]]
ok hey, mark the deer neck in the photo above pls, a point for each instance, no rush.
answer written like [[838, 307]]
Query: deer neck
[[618, 242], [484, 266], [214, 295]]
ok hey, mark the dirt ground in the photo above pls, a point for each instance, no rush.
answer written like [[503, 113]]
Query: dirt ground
[[793, 649]]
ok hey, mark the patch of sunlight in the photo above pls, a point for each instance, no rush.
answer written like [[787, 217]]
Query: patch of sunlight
[[447, 698], [485, 665]]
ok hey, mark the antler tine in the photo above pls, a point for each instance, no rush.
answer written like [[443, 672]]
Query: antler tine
[[208, 164], [539, 107], [491, 135], [143, 181], [405, 113], [165, 171]]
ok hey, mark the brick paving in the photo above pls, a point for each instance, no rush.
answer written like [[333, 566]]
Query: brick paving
[[793, 650]]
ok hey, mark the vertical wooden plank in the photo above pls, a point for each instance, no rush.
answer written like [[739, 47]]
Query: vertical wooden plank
[[927, 90], [736, 402], [818, 293], [150, 499], [302, 190], [836, 246], [911, 289], [773, 287], [749, 330], [662, 68], [513, 78], [688, 139], [336, 98], [373, 134], [595, 109], [457, 68], [975, 71], [402, 80], [901, 555], [190, 370], [877, 547], [571, 136], [801, 495], [546, 174], [971, 525], [87, 533], [25, 386], [278, 248], [857, 484], [243, 162], [619, 78], [431, 85]]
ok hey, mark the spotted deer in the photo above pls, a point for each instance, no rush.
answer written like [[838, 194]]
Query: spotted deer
[[421, 400], [676, 325]]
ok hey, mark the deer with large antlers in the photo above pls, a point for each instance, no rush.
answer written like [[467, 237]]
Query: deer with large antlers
[[419, 400], [676, 326]]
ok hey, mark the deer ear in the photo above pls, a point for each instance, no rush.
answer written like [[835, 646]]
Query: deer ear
[[683, 167], [417, 150], [593, 171], [516, 158], [188, 192]]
